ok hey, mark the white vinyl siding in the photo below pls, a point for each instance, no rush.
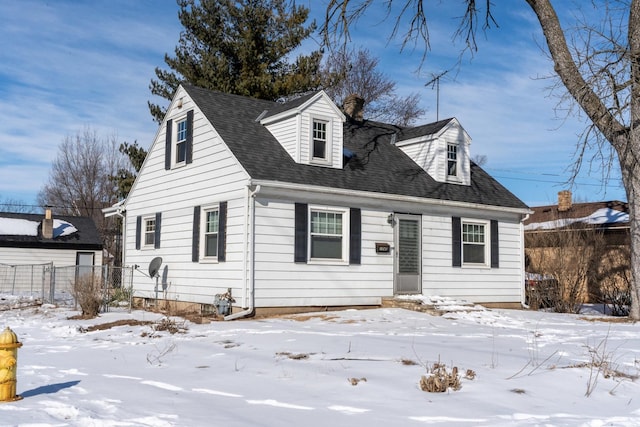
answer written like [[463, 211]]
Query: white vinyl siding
[[167, 191], [295, 134], [472, 283], [59, 257], [432, 154], [281, 282]]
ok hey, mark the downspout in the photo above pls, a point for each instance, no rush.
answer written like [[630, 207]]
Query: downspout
[[250, 249], [523, 296]]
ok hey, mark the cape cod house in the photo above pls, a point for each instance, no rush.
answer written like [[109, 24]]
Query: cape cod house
[[298, 204]]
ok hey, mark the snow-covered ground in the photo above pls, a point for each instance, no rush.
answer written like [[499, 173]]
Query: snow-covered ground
[[344, 368]]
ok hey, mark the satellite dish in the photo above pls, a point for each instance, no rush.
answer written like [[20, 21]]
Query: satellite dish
[[154, 266]]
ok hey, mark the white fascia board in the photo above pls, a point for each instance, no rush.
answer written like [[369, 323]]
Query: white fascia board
[[299, 109], [369, 198], [417, 140]]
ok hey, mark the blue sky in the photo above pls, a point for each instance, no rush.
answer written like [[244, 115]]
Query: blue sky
[[68, 65]]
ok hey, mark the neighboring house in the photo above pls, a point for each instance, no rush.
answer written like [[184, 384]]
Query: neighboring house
[[42, 239], [586, 244], [298, 204]]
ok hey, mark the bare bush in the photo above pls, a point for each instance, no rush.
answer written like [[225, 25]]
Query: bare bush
[[615, 284], [584, 264], [87, 290], [440, 380]]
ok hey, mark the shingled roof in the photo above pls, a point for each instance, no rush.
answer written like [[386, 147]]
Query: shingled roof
[[375, 166], [85, 238]]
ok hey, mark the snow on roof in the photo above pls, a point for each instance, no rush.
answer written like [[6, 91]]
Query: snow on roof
[[24, 227], [599, 217]]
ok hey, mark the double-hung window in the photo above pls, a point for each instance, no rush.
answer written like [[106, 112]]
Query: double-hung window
[[328, 234], [320, 145], [474, 243], [211, 229], [452, 160], [149, 232], [181, 141]]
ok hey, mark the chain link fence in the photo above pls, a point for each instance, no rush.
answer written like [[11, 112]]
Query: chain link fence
[[58, 285]]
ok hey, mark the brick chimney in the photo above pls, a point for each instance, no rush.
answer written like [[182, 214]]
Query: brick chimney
[[47, 225], [353, 106], [564, 200]]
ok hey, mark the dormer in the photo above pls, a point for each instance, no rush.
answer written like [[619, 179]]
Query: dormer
[[310, 129], [441, 149]]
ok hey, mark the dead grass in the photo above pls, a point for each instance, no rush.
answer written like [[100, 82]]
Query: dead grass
[[607, 319], [293, 356], [123, 322]]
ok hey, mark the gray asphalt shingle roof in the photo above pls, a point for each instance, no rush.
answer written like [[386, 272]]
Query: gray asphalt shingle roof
[[378, 165]]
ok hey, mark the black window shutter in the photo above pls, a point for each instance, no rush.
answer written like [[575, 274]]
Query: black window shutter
[[495, 246], [222, 231], [167, 146], [189, 147], [138, 231], [195, 239], [355, 237], [456, 241], [301, 219], [156, 237]]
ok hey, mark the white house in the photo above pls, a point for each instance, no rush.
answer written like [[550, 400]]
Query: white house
[[63, 241], [298, 204]]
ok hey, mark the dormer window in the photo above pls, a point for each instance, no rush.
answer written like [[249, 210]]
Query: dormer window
[[320, 144], [452, 160], [181, 141]]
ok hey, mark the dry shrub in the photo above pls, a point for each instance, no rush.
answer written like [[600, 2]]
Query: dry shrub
[[573, 257], [170, 325], [615, 280], [87, 290], [440, 380]]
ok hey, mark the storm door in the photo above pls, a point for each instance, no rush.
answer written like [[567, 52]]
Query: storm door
[[408, 254]]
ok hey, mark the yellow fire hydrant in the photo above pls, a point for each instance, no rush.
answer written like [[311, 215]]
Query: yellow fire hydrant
[[9, 346]]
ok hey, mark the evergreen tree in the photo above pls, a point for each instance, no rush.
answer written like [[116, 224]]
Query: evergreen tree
[[240, 47], [125, 177]]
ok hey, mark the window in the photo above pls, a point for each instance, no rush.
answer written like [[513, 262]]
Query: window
[[211, 227], [320, 143], [149, 232], [452, 160], [209, 233], [181, 141], [474, 243], [328, 234]]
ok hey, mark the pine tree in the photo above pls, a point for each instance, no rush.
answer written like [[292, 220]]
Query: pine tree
[[240, 47]]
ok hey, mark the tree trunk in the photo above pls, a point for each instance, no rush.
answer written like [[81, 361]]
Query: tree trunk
[[625, 141], [629, 153]]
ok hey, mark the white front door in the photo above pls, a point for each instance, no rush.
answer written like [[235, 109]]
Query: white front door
[[408, 254]]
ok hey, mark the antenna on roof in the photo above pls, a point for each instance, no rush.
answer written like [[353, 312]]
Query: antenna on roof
[[435, 81], [264, 113]]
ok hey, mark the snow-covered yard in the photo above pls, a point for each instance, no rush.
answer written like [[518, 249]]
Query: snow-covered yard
[[345, 368]]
